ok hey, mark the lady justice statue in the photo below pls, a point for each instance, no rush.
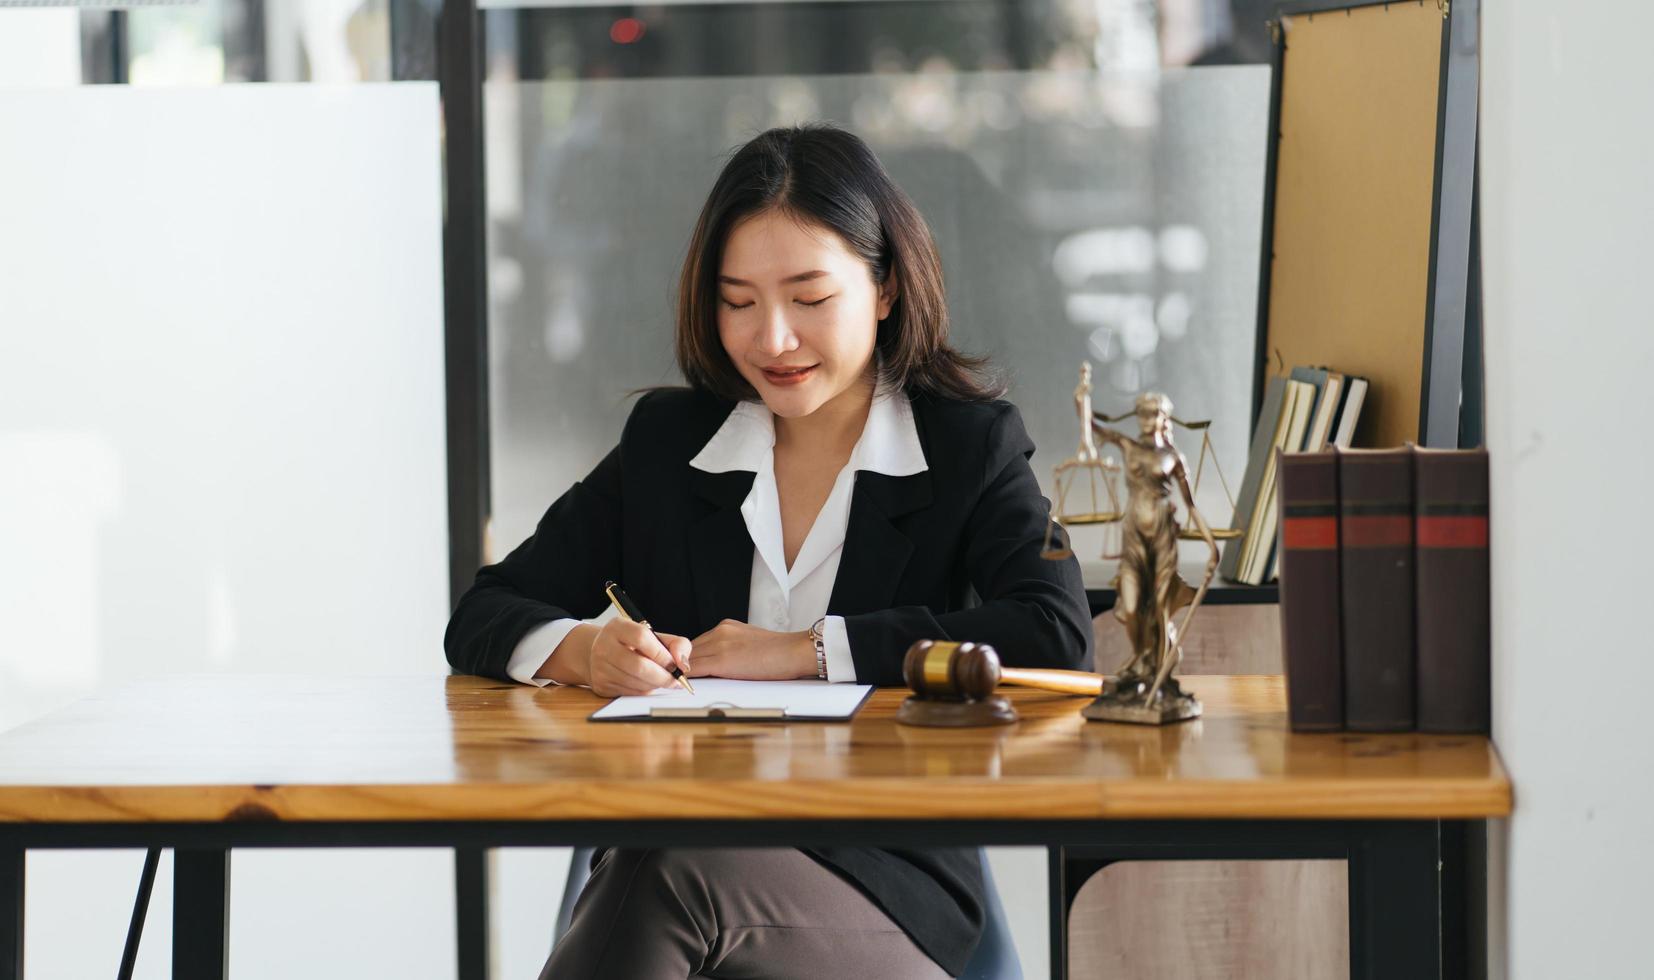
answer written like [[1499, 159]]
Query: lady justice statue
[[1148, 589]]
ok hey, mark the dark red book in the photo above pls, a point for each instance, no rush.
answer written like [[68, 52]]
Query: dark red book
[[1454, 635], [1375, 531], [1311, 642]]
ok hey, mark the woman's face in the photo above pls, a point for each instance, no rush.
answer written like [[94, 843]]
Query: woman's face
[[798, 313]]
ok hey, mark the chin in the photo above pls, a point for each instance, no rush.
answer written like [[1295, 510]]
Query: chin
[[789, 404]]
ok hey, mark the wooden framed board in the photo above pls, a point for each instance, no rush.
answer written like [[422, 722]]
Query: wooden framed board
[[1370, 178]]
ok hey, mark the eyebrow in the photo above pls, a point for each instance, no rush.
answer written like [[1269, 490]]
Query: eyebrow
[[801, 277]]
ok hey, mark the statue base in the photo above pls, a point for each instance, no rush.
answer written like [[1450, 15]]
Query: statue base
[[1122, 700]]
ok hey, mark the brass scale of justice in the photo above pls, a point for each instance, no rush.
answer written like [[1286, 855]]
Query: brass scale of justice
[[954, 682]]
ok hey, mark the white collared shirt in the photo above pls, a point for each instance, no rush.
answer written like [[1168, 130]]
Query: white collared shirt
[[782, 599]]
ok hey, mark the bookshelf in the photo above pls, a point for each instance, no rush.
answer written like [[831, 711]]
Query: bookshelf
[[1098, 573]]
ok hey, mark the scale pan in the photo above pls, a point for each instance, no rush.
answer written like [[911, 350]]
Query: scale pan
[[1096, 517]]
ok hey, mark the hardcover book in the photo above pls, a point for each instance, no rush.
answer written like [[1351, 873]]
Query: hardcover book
[[1257, 560], [1450, 530], [1349, 413], [1262, 445], [1375, 529], [1311, 639]]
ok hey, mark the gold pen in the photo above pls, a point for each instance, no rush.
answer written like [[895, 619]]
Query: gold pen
[[626, 607]]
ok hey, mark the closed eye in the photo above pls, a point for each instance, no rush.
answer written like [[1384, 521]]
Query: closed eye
[[742, 306]]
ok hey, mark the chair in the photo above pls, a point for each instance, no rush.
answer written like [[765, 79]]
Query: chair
[[995, 957]]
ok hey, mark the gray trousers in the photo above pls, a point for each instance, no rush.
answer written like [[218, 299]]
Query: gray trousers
[[771, 913]]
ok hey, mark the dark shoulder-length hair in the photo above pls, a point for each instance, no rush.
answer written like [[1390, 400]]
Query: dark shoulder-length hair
[[826, 176]]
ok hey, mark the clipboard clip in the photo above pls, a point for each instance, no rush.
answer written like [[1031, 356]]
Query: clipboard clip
[[719, 711]]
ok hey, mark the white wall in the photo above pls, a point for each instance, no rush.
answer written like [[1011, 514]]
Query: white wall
[[39, 48], [222, 449], [1568, 238]]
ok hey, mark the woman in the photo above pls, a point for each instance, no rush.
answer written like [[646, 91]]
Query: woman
[[834, 484]]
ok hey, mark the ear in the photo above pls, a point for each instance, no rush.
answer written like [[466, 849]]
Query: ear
[[888, 294]]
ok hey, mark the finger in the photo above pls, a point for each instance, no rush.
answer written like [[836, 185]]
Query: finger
[[679, 647], [634, 686], [620, 677], [617, 665], [619, 689], [642, 639], [644, 671]]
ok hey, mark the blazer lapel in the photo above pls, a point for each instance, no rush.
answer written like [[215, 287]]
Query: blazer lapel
[[876, 552], [720, 549]]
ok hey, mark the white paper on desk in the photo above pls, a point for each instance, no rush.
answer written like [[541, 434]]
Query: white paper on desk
[[799, 699]]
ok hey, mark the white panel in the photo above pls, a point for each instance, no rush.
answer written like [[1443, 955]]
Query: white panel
[[39, 48], [528, 890], [1022, 877], [1568, 232], [343, 913], [222, 449]]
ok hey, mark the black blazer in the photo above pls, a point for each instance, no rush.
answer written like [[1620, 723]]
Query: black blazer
[[950, 553]]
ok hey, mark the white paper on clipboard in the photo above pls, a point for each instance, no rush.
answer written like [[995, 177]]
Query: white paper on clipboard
[[717, 698]]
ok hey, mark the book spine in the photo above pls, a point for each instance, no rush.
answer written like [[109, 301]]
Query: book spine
[[1375, 528], [1451, 532], [1311, 641], [1262, 446]]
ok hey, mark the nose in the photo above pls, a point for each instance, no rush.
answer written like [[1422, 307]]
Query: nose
[[775, 334]]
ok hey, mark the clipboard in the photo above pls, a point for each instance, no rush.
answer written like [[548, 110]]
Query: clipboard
[[719, 699]]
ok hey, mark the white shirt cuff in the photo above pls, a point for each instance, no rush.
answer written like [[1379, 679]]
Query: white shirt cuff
[[535, 648], [841, 668], [539, 643]]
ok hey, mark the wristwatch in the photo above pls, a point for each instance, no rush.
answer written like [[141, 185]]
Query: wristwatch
[[818, 636]]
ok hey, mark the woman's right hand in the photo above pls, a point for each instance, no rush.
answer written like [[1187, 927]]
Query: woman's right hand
[[627, 659]]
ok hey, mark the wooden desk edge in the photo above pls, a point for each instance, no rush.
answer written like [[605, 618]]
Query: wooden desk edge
[[874, 799]]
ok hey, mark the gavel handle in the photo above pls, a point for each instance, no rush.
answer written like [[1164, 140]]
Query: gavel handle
[[1065, 681]]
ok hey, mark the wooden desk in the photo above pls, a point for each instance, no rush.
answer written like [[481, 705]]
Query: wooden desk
[[204, 764]]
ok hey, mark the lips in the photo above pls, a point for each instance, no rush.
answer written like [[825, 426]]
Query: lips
[[789, 376]]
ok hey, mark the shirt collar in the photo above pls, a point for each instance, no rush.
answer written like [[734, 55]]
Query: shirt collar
[[889, 441]]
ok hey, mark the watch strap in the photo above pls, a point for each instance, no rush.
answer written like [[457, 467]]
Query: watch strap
[[818, 637]]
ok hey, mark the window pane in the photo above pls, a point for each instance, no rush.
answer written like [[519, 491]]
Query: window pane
[[1109, 213]]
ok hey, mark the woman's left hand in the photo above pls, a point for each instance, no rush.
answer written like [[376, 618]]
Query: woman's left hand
[[736, 649]]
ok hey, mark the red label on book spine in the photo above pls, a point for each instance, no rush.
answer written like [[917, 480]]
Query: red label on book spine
[[1452, 532], [1310, 533], [1378, 531]]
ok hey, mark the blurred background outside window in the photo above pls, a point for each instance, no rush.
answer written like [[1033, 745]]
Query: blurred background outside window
[[1092, 171]]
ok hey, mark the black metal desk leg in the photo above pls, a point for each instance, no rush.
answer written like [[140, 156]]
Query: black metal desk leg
[[200, 914], [471, 907], [1395, 901], [1057, 863], [11, 912]]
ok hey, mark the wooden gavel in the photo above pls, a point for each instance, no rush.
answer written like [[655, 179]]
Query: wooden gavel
[[943, 670]]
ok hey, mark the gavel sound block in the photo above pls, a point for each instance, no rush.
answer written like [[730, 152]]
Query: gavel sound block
[[953, 685]]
